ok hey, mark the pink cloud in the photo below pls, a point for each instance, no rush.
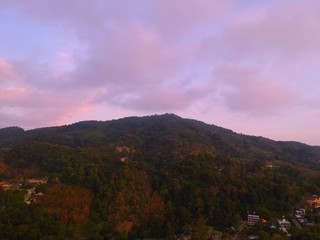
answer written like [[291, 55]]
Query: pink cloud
[[8, 95], [29, 102], [248, 88], [35, 107], [6, 71], [170, 98], [176, 18], [65, 115], [134, 56], [260, 98], [121, 58], [271, 31], [276, 56], [35, 117], [159, 55]]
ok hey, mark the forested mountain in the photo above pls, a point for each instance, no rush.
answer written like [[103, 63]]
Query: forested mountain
[[163, 131], [156, 176]]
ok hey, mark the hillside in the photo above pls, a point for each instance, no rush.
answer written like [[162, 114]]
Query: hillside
[[155, 176], [163, 131]]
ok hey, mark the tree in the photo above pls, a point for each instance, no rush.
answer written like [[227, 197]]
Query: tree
[[200, 232]]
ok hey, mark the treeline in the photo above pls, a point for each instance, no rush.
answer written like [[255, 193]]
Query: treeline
[[97, 196]]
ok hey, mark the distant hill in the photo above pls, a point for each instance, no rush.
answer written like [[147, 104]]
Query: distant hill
[[166, 131], [149, 177], [11, 135]]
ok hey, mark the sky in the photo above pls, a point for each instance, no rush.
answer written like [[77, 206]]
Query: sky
[[250, 66]]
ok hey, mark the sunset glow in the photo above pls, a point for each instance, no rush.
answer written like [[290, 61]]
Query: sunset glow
[[250, 66]]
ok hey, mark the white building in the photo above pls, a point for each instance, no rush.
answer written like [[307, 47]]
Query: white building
[[253, 219], [284, 224]]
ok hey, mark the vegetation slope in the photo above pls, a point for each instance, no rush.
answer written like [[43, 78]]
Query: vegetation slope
[[156, 176]]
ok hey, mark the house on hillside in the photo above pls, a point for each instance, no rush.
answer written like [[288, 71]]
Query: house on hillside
[[36, 182], [6, 186], [301, 212], [314, 201], [283, 224], [300, 215], [253, 219], [270, 165]]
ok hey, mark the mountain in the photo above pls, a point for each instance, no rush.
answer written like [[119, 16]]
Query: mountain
[[166, 131], [155, 176]]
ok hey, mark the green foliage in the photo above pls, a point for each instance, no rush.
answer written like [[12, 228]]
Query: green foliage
[[21, 221], [156, 176], [10, 136], [309, 233]]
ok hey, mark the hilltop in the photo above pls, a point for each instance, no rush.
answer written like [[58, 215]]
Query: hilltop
[[167, 133], [168, 129]]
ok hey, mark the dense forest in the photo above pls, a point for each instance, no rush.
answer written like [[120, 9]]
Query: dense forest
[[158, 177]]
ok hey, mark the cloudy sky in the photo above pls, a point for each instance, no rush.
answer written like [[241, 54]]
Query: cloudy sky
[[251, 66]]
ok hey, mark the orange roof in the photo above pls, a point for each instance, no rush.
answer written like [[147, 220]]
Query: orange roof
[[312, 198]]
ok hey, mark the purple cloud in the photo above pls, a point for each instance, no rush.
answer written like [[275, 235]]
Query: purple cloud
[[6, 71], [213, 60], [249, 89]]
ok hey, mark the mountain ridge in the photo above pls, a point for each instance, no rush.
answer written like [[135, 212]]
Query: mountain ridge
[[80, 124], [155, 129]]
